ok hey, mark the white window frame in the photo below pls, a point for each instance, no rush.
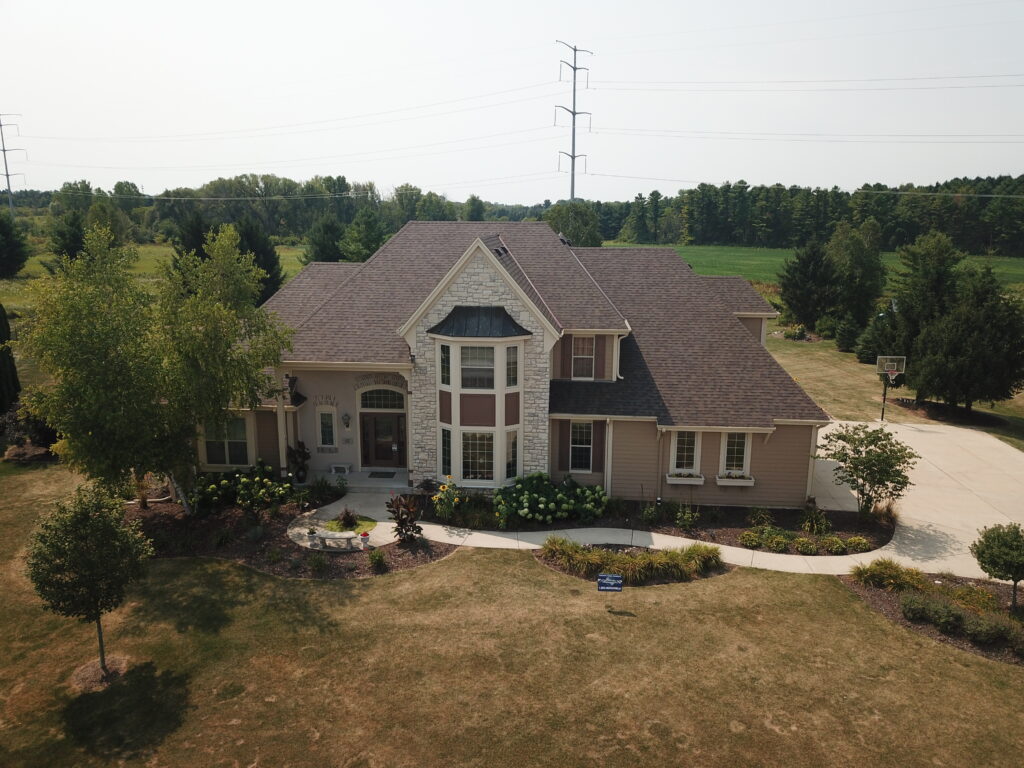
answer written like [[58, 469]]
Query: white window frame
[[440, 366], [494, 368], [451, 450], [509, 350], [250, 446], [497, 454], [333, 412], [592, 357], [519, 455], [695, 469], [722, 472], [590, 447]]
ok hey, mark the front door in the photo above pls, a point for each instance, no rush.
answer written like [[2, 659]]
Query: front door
[[383, 436]]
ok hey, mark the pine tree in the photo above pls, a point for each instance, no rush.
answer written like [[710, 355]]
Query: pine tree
[[807, 284], [67, 236], [253, 239], [654, 209], [879, 338], [323, 240], [857, 259], [13, 248], [635, 228], [363, 236], [192, 232], [9, 384]]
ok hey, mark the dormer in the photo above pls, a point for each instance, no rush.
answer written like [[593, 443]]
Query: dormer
[[587, 355]]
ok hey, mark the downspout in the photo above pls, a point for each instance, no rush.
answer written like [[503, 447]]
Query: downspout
[[811, 460], [660, 474], [608, 457], [282, 440]]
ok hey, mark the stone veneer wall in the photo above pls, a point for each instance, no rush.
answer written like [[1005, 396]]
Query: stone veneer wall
[[479, 284]]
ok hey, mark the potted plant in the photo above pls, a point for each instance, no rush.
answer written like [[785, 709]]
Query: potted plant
[[298, 461], [311, 533], [364, 539]]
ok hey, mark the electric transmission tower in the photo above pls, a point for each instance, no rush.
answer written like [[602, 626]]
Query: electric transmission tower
[[4, 150], [573, 112]]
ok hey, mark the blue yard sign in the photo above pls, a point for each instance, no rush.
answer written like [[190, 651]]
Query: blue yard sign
[[609, 582]]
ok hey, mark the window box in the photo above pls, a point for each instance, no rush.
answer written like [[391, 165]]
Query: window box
[[734, 480], [684, 479]]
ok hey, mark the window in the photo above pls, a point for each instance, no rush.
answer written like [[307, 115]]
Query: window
[[325, 424], [581, 441], [446, 365], [230, 446], [477, 456], [583, 357], [511, 454], [478, 367], [382, 399], [686, 452], [512, 366], [735, 462], [446, 452]]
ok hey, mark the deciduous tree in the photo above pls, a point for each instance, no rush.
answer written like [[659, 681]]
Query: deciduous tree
[[83, 557], [473, 209], [577, 221], [1000, 553], [871, 461]]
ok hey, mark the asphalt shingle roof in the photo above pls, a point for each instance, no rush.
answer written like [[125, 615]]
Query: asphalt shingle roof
[[737, 294]]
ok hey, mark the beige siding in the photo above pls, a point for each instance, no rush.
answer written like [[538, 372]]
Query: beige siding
[[635, 468], [752, 324], [266, 437]]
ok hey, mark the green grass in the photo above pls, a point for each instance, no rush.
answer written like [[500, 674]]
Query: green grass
[[485, 658], [366, 524], [763, 264]]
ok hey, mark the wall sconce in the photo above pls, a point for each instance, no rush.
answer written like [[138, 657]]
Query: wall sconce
[[412, 358], [346, 419]]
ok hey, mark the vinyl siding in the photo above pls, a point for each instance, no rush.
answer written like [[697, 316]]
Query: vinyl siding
[[266, 438], [752, 324], [635, 468]]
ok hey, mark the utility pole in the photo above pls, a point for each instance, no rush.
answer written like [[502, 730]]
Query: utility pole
[[7, 173], [573, 112]]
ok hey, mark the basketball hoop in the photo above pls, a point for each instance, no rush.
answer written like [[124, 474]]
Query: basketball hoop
[[888, 368], [892, 374]]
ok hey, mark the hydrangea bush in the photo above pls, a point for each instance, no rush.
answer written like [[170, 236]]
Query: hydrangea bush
[[537, 498], [253, 491]]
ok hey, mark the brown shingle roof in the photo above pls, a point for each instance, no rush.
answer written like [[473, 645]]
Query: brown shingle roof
[[358, 320], [737, 294], [308, 289], [689, 361]]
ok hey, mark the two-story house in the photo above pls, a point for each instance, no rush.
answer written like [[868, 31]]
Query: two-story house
[[489, 350]]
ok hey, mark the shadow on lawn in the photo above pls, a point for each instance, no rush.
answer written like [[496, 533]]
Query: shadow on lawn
[[133, 714], [203, 596]]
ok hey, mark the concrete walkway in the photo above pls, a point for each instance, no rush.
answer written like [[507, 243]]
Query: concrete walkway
[[965, 480]]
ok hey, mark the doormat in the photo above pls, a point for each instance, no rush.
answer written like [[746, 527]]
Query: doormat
[[382, 474]]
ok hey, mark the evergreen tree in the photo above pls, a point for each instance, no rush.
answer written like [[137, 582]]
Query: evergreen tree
[[473, 210], [654, 211], [975, 350], [253, 239], [67, 235], [323, 242], [192, 232], [13, 248], [635, 228], [807, 284], [9, 384], [363, 236], [857, 259], [881, 337]]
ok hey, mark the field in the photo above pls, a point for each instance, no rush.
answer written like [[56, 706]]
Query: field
[[763, 264], [486, 658]]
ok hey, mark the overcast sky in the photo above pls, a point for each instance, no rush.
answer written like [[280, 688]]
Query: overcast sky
[[460, 97]]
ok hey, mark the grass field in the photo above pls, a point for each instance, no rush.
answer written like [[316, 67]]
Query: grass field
[[487, 658]]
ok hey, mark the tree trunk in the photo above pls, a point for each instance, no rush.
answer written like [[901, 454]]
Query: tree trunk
[[103, 654], [140, 489], [1013, 600]]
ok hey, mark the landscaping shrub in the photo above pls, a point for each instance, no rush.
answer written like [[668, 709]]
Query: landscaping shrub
[[650, 514], [776, 544], [405, 512], [687, 517], [759, 516], [797, 333], [377, 560], [712, 515], [973, 597], [635, 568], [446, 499], [750, 539], [814, 520], [536, 498], [348, 519], [858, 544], [987, 630], [885, 512], [833, 545], [885, 573], [945, 616], [805, 546], [318, 564], [321, 491], [914, 606]]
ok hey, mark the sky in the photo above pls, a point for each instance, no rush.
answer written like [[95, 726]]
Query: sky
[[460, 97]]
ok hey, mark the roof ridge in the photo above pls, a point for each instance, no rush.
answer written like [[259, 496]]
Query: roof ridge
[[528, 280], [598, 285]]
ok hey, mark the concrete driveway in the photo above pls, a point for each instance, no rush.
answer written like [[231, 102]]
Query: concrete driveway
[[964, 480]]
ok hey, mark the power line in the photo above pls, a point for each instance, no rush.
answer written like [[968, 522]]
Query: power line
[[680, 131], [819, 90], [573, 112], [830, 80], [813, 140]]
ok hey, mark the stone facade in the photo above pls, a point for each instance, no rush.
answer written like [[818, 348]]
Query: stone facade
[[479, 284]]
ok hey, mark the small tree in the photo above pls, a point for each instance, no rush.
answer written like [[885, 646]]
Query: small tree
[[807, 284], [1000, 553], [84, 556], [323, 240], [9, 384], [67, 234], [873, 462], [13, 248]]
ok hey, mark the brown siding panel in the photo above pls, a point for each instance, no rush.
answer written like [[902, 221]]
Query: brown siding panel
[[562, 431], [266, 438], [444, 406], [634, 459], [600, 354], [476, 410], [566, 342], [597, 452], [511, 408]]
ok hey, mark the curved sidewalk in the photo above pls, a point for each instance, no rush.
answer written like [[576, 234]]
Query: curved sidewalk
[[965, 480]]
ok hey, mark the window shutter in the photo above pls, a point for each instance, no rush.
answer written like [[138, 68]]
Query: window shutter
[[562, 430], [567, 356], [597, 451], [600, 345]]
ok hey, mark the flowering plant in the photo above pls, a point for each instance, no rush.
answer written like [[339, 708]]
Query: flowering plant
[[538, 499], [447, 496]]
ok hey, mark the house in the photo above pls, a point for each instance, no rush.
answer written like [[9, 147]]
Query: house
[[489, 350]]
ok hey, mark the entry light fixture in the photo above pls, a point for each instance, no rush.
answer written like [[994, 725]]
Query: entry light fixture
[[346, 419]]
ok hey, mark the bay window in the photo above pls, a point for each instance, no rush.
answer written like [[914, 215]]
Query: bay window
[[478, 367]]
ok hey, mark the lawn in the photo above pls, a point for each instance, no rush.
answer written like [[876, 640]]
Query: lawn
[[487, 658], [764, 264]]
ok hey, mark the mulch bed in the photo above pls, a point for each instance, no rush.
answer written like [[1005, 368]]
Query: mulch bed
[[230, 534], [888, 604], [89, 677]]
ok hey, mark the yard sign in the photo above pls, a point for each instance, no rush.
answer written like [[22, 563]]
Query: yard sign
[[609, 582]]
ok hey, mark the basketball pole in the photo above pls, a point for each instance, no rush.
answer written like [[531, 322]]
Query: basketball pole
[[885, 392]]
